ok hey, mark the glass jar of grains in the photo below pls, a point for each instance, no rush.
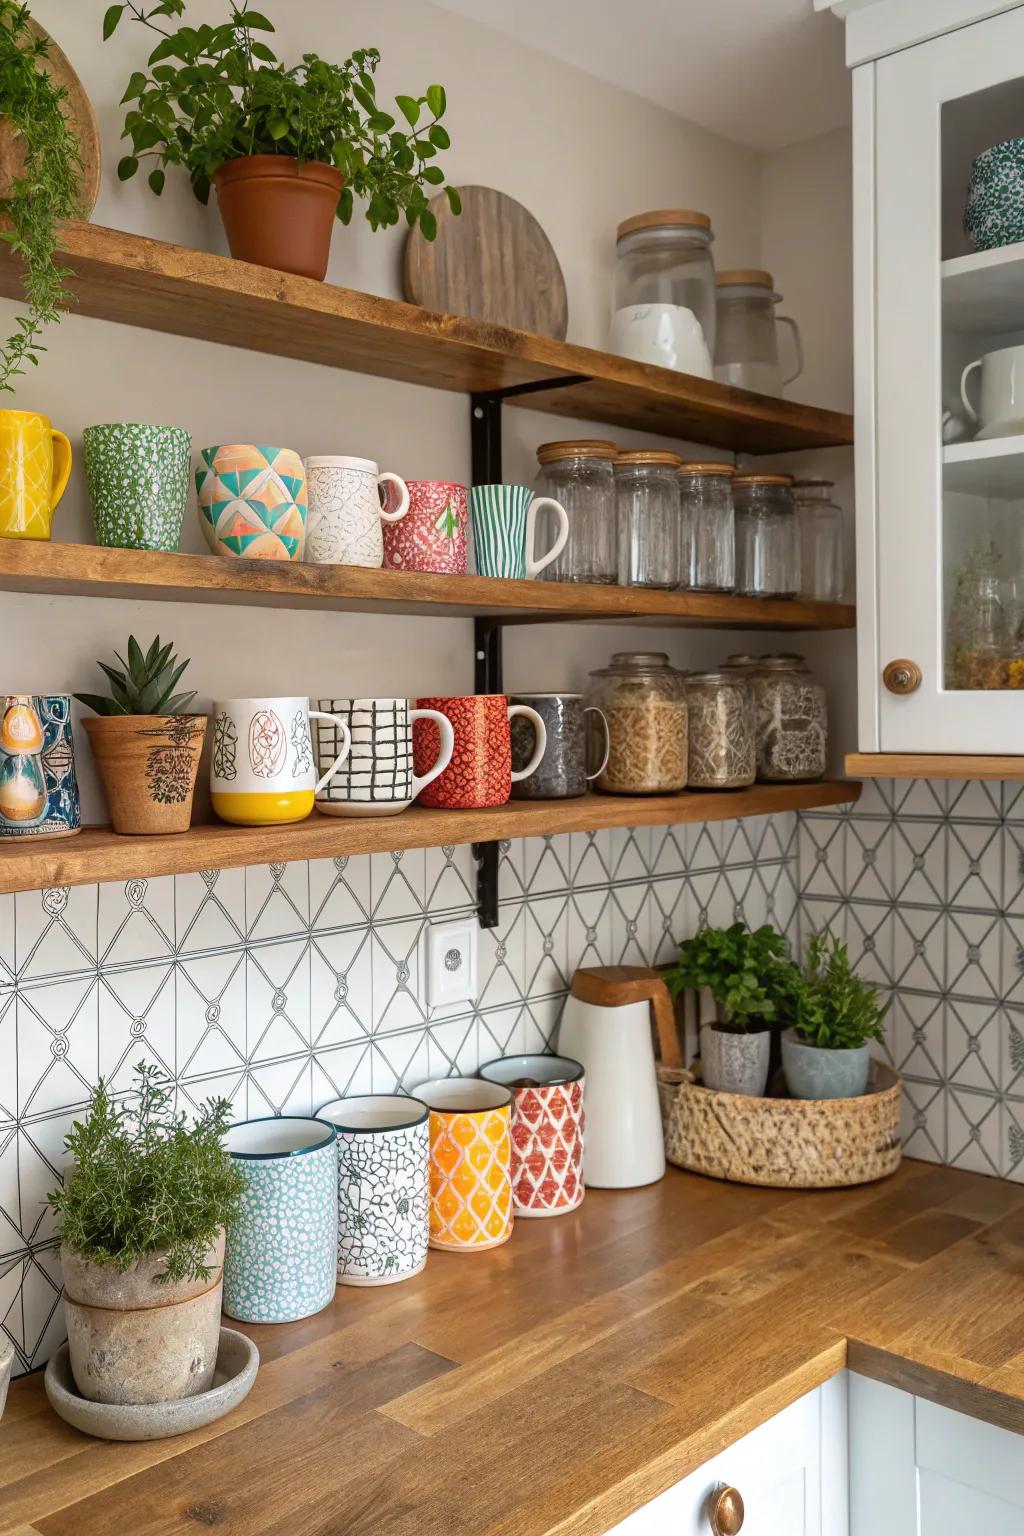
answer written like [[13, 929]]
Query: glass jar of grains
[[707, 554], [647, 510], [579, 476], [767, 537], [720, 724], [644, 702], [791, 720]]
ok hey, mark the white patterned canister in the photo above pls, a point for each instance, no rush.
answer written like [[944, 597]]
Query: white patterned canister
[[281, 1256], [383, 1199]]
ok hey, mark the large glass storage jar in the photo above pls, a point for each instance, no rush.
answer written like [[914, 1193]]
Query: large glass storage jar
[[791, 720], [664, 304], [746, 338], [707, 538], [579, 476], [644, 702], [647, 514], [767, 542], [979, 639], [720, 725], [820, 524]]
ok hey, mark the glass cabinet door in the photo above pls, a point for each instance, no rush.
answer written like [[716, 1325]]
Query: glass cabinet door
[[950, 389]]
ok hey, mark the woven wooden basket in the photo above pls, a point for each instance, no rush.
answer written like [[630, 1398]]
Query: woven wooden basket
[[782, 1143]]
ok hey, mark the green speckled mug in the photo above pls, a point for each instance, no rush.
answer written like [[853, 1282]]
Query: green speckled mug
[[138, 480]]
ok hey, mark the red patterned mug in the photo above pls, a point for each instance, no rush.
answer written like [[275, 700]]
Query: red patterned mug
[[547, 1131], [480, 772], [432, 534]]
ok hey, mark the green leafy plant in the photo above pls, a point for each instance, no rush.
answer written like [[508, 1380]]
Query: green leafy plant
[[748, 971], [832, 1006], [45, 190], [144, 686], [146, 1182], [216, 93]]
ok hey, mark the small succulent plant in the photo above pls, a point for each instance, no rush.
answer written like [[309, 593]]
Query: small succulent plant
[[144, 686]]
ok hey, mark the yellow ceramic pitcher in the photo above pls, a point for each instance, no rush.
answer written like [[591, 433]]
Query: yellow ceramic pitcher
[[35, 462]]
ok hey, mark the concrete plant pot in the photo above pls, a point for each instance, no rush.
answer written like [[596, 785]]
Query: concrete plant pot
[[6, 1367], [734, 1062], [814, 1072], [134, 1339]]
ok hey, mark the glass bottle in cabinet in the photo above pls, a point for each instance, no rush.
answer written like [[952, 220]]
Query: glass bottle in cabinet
[[647, 512], [578, 474]]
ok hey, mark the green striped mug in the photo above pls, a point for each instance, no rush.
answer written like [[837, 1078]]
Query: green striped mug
[[505, 529]]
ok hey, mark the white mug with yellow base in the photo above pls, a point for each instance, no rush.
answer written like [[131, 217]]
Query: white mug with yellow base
[[261, 769]]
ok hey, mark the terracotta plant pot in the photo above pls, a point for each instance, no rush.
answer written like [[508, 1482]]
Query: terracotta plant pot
[[148, 764], [278, 213], [133, 1339]]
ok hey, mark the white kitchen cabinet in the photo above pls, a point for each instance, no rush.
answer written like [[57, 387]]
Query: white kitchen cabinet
[[791, 1473]]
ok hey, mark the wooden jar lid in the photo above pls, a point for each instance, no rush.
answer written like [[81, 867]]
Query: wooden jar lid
[[763, 479], [658, 218], [707, 469], [577, 448], [647, 456], [750, 277]]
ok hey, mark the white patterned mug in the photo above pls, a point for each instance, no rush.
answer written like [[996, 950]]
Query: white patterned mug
[[377, 779], [345, 511], [261, 768], [383, 1190], [505, 531]]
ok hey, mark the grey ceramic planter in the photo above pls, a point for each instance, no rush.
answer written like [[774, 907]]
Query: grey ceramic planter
[[735, 1063], [812, 1072]]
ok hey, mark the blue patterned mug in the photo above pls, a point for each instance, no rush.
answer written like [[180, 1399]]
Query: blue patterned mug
[[383, 1196], [281, 1256], [38, 787], [505, 530]]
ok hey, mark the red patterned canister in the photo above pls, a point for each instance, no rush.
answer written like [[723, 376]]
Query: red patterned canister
[[547, 1131], [432, 534]]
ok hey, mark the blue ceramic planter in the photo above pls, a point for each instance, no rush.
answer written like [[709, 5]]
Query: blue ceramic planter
[[815, 1073]]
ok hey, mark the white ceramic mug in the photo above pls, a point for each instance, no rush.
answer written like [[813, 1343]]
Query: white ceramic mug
[[261, 767], [343, 526], [1000, 411]]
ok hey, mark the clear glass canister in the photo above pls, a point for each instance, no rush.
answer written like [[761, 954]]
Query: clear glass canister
[[979, 641], [644, 701], [707, 538], [647, 514], [664, 304], [820, 524], [767, 542], [791, 720], [747, 340], [720, 723], [579, 476]]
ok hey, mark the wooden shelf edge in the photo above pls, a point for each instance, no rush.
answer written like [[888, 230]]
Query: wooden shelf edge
[[924, 765], [99, 854]]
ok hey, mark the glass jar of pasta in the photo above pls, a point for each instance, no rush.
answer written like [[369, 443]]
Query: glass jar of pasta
[[643, 699], [720, 726]]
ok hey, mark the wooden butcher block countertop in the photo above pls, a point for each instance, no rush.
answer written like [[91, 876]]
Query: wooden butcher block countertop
[[556, 1384]]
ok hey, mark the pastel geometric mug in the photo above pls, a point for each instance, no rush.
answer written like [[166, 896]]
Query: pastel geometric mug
[[345, 511], [470, 1162], [261, 769], [252, 501], [377, 778], [505, 530]]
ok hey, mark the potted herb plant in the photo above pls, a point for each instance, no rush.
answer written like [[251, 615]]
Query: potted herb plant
[[143, 1214], [749, 974], [287, 149], [146, 748], [835, 1015]]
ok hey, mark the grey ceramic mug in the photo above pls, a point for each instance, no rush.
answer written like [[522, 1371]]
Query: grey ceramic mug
[[562, 774]]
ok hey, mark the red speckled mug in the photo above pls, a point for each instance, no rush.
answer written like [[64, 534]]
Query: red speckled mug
[[480, 772], [432, 534]]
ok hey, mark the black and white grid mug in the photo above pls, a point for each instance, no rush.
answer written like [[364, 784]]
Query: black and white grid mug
[[378, 778]]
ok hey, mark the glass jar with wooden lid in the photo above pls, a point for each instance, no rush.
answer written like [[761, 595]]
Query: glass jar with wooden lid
[[819, 521], [664, 304], [647, 513], [767, 542], [791, 726], [707, 539], [643, 700], [746, 337], [578, 474]]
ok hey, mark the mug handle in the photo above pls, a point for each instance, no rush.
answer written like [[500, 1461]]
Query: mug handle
[[61, 466], [968, 407], [534, 566], [592, 709], [444, 756], [387, 478], [540, 730], [319, 714], [798, 347]]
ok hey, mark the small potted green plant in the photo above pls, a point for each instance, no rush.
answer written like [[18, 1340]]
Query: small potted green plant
[[143, 1213], [287, 149], [826, 1053], [749, 974], [146, 747]]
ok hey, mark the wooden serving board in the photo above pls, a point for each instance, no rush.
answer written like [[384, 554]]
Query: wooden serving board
[[79, 111]]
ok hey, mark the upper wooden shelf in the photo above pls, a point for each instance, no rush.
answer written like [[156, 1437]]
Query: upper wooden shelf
[[162, 287], [97, 853], [86, 570]]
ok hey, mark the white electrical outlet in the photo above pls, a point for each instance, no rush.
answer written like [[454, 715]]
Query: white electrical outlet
[[451, 962]]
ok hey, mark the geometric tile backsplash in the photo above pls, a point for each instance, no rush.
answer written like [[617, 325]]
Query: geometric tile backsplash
[[282, 986]]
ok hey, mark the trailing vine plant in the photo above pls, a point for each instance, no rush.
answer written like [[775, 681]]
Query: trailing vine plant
[[45, 190]]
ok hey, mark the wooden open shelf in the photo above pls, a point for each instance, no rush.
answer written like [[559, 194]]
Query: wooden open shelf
[[97, 853], [924, 765], [162, 287], [85, 570]]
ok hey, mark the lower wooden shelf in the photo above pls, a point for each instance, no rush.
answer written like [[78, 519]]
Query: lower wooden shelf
[[98, 853], [931, 765]]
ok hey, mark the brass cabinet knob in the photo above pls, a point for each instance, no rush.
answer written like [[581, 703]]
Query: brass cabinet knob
[[902, 676], [726, 1512]]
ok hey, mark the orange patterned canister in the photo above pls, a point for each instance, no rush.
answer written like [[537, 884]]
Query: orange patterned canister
[[547, 1131], [470, 1160]]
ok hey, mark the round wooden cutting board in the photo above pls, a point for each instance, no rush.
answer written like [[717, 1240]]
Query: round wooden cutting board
[[83, 124], [492, 262]]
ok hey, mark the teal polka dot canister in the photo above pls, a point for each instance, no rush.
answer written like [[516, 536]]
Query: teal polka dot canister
[[994, 212], [280, 1263], [138, 481]]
